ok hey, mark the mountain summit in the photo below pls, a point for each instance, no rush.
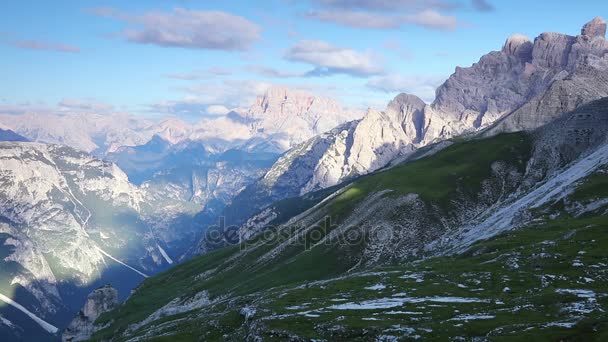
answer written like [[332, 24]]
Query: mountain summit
[[292, 116]]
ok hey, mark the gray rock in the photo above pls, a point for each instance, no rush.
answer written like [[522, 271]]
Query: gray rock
[[564, 73], [518, 45], [99, 301], [595, 28]]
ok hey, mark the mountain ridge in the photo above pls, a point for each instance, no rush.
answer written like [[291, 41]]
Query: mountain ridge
[[282, 116]]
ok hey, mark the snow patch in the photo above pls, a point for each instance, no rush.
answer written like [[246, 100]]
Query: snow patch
[[471, 317], [45, 325], [387, 303], [122, 263], [376, 287], [164, 254]]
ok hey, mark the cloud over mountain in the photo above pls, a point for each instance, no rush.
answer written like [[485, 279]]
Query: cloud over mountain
[[328, 59], [421, 86]]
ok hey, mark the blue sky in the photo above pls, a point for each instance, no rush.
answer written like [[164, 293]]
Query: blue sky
[[196, 58]]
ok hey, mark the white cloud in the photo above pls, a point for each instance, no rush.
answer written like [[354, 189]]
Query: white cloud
[[433, 20], [387, 5], [421, 86], [209, 99], [188, 29], [200, 74], [482, 5], [72, 105], [428, 18], [272, 72], [217, 110], [328, 59]]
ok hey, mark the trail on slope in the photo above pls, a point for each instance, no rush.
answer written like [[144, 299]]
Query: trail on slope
[[44, 324]]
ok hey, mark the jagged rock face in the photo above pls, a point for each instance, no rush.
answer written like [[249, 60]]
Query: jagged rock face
[[42, 193], [293, 116], [99, 301], [595, 28], [360, 146], [564, 73], [518, 45], [86, 132]]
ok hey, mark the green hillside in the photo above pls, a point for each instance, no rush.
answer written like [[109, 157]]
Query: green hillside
[[525, 284]]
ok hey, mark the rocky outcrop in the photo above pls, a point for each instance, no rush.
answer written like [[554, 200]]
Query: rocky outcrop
[[595, 28], [68, 220], [82, 326], [563, 73]]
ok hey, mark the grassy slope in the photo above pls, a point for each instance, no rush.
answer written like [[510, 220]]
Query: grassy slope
[[461, 166], [534, 263], [246, 282]]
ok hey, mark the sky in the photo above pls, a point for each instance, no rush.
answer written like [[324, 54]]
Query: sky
[[194, 59]]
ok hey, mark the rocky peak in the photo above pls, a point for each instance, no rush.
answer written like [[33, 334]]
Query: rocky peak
[[278, 99], [403, 101], [595, 28], [518, 45], [99, 301], [293, 116]]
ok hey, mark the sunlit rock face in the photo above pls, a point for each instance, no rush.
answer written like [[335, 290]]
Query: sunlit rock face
[[99, 301], [293, 116]]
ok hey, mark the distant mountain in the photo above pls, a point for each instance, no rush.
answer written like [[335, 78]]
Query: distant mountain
[[85, 131], [290, 117], [8, 135], [281, 117], [521, 87]]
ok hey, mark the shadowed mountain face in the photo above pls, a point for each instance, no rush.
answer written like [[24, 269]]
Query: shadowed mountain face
[[8, 135]]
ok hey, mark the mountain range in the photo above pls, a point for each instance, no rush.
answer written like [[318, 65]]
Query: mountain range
[[482, 210], [278, 119], [473, 227], [521, 87]]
